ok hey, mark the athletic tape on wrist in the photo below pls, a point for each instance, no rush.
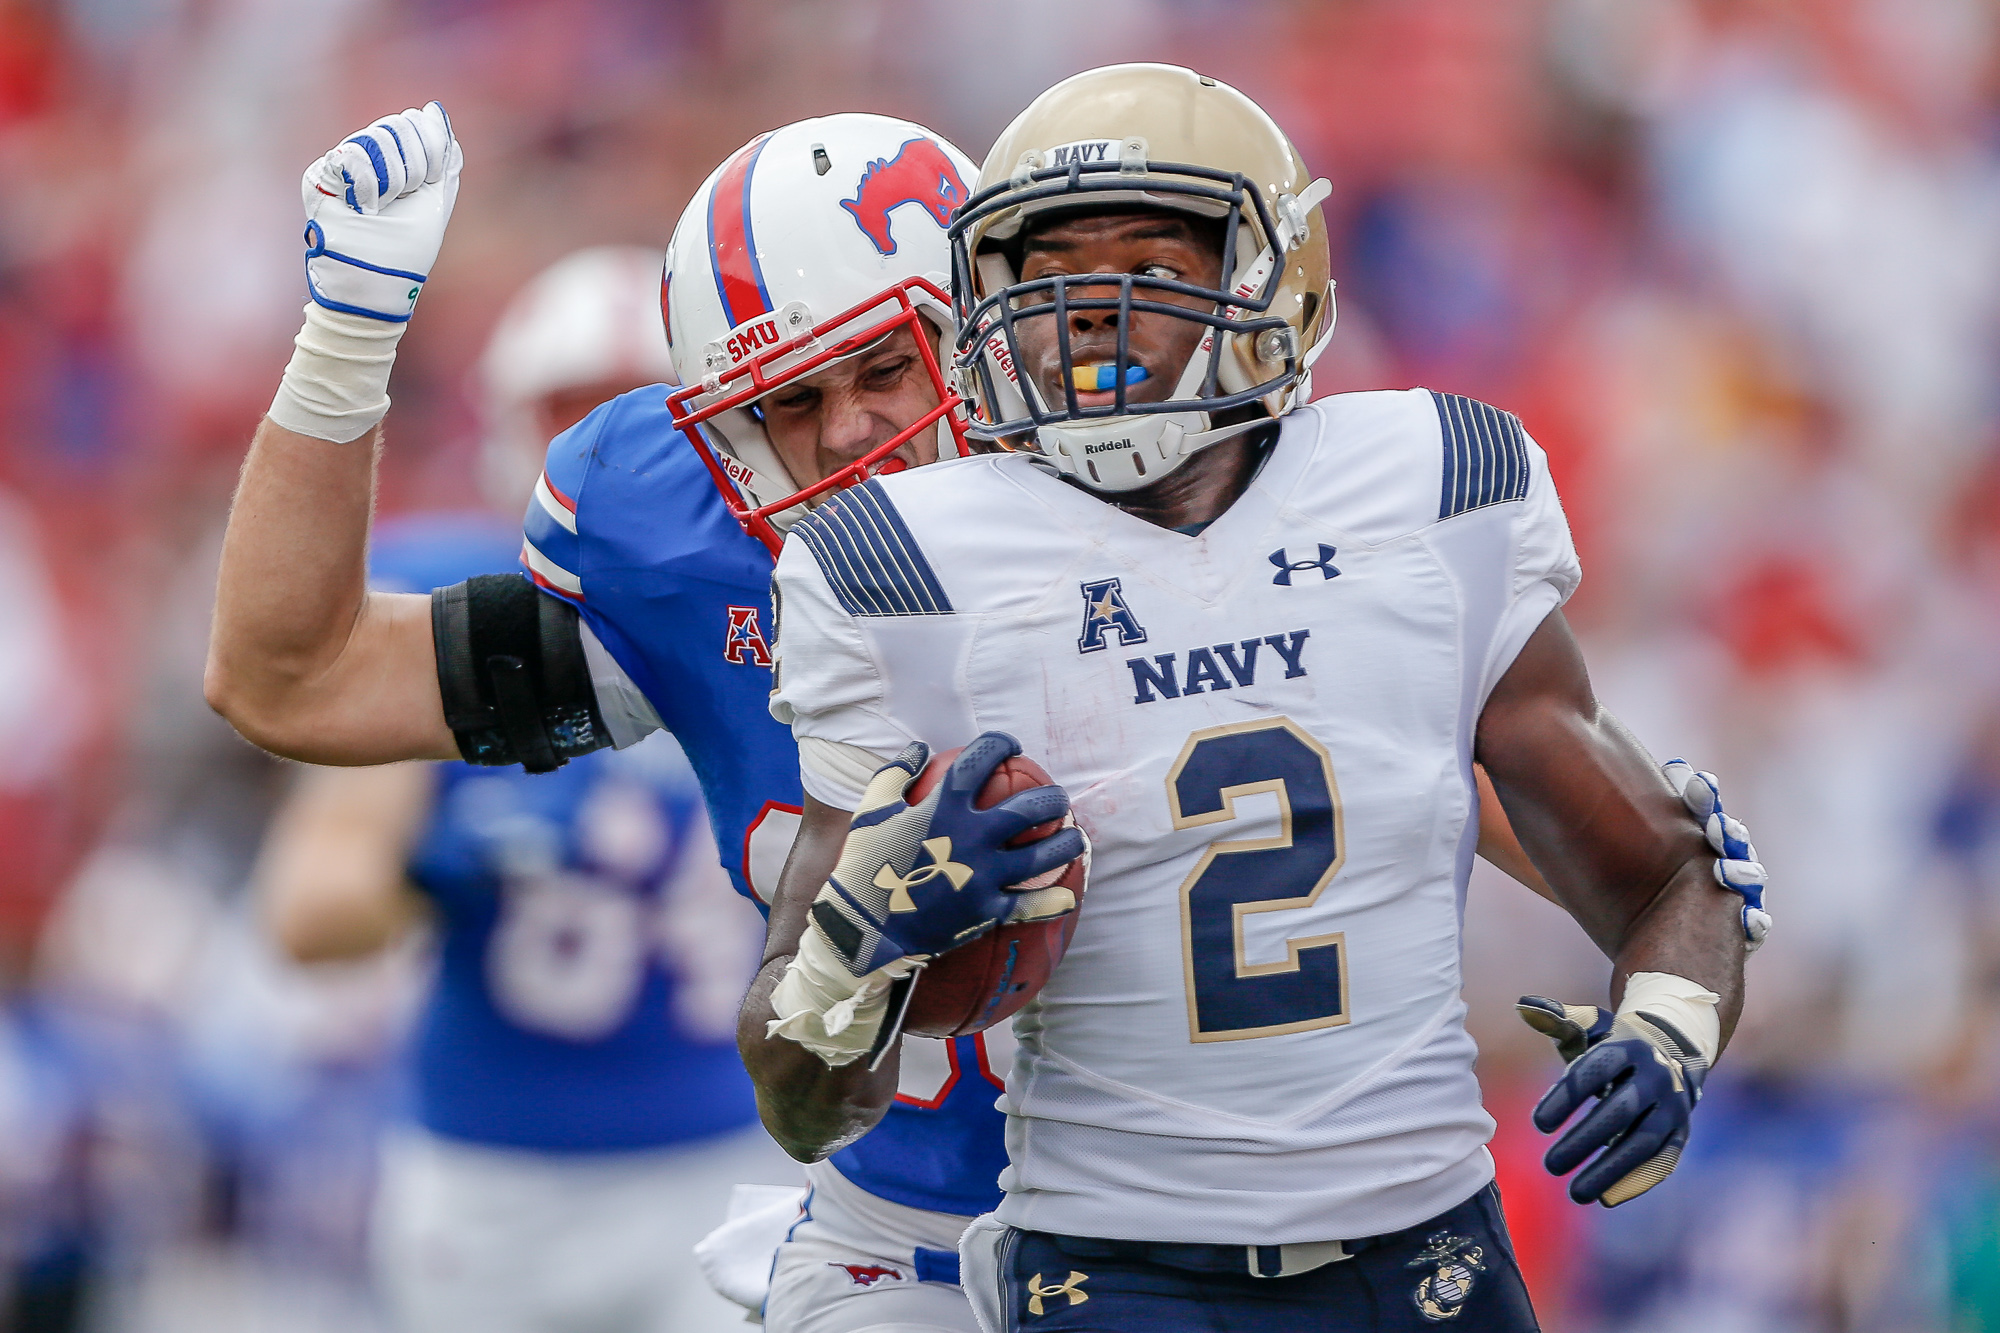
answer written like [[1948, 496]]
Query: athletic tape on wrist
[[336, 386], [1689, 1006]]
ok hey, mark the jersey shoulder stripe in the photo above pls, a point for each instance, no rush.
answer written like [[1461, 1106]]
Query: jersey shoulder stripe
[[869, 558], [551, 547], [1485, 455]]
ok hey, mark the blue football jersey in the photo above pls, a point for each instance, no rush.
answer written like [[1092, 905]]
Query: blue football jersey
[[590, 957], [627, 526]]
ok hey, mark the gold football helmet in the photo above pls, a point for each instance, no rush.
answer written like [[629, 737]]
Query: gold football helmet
[[1117, 139]]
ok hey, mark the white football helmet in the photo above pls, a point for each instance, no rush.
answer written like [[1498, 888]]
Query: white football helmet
[[1144, 136], [808, 245], [588, 319]]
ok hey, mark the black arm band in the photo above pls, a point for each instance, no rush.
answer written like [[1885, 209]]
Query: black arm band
[[511, 669]]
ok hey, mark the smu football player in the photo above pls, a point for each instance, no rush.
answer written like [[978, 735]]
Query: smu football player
[[579, 1113], [805, 299]]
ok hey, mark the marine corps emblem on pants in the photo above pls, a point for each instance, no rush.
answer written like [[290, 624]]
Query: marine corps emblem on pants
[[1453, 1261]]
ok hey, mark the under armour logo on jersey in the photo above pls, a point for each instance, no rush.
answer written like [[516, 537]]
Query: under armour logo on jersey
[[899, 886], [745, 644], [1288, 566], [1037, 1292], [1104, 609]]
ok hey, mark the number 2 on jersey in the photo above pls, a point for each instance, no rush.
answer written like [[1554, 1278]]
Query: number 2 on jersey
[[1229, 997]]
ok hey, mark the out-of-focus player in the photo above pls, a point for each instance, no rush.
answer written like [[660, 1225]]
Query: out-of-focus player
[[1262, 644], [579, 1111]]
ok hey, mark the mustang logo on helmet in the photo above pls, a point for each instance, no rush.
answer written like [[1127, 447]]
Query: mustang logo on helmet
[[920, 173]]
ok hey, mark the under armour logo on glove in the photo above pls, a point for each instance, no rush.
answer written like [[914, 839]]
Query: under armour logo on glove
[[1288, 566], [899, 886]]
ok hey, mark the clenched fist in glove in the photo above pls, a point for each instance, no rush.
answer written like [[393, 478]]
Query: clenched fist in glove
[[913, 881], [376, 210]]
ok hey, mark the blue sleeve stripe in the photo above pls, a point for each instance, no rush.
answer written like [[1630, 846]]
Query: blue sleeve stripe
[[1485, 455], [557, 543], [380, 163], [873, 564]]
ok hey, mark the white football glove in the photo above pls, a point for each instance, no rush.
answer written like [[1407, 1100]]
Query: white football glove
[[1736, 866], [376, 210]]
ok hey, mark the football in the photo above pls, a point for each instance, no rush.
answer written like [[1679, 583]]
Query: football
[[987, 980]]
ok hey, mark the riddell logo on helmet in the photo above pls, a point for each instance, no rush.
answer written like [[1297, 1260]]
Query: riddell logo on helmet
[[919, 173], [997, 347], [1108, 446]]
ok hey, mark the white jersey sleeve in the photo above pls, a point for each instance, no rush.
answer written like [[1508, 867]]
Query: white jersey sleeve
[[1544, 567], [826, 684]]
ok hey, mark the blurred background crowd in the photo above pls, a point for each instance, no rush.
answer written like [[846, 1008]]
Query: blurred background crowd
[[1736, 263]]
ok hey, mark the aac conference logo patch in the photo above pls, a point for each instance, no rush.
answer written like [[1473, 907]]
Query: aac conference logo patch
[[1104, 609], [744, 643]]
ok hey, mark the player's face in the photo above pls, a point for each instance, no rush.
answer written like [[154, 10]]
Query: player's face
[[823, 423], [1152, 245]]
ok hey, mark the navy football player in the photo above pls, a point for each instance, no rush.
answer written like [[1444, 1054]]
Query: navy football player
[[1262, 642]]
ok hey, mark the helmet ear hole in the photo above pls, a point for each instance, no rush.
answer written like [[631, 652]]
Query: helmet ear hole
[[1309, 316]]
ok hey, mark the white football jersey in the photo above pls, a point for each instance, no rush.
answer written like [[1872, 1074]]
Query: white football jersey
[[1256, 1036]]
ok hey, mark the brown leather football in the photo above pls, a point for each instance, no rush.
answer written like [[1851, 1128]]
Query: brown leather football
[[987, 980]]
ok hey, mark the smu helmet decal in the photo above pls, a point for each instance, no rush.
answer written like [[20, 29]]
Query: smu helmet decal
[[920, 173]]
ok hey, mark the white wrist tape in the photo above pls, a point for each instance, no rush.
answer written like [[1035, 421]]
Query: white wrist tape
[[1687, 1005], [336, 386], [827, 1009]]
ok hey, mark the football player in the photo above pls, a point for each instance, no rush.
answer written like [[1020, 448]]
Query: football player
[[1263, 644], [579, 1108]]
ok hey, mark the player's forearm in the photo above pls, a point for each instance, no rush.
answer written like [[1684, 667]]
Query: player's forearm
[[810, 1108], [1617, 846], [303, 659], [1694, 930]]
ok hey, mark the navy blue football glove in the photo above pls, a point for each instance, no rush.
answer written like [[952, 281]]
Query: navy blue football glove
[[915, 881], [1645, 1077]]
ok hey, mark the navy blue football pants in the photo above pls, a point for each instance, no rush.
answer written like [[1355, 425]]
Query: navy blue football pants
[[1455, 1271]]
